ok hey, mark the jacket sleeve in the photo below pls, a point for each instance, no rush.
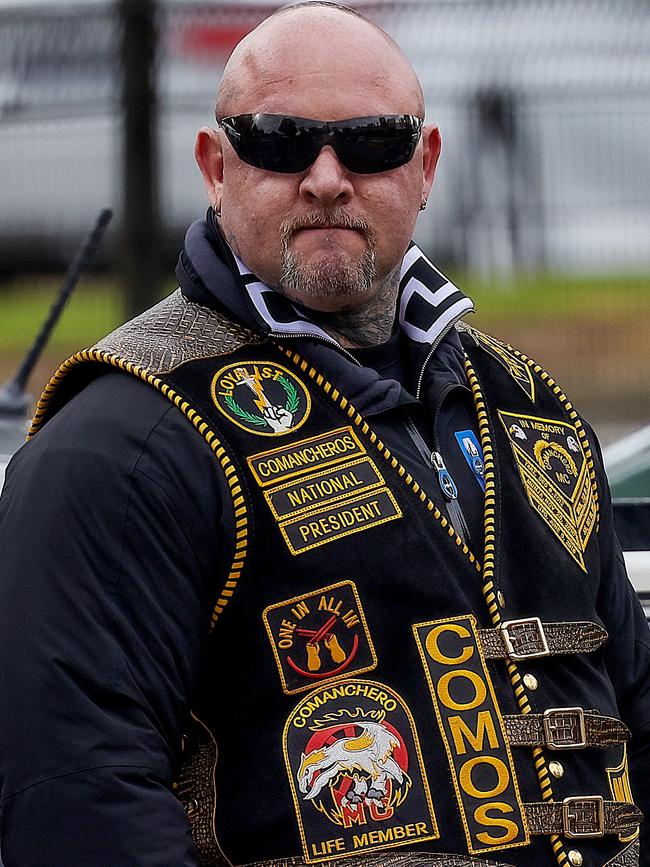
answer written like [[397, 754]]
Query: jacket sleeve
[[627, 652], [111, 554]]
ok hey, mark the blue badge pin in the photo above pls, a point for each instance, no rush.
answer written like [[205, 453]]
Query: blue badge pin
[[473, 453]]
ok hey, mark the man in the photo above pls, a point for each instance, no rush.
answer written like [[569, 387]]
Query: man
[[294, 514]]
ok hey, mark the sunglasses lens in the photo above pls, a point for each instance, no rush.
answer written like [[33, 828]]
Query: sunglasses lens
[[378, 144], [281, 143], [275, 143]]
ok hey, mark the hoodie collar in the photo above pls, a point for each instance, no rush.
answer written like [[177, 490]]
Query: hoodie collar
[[428, 302]]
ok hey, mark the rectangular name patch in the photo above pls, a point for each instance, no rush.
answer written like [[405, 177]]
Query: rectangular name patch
[[474, 735], [312, 491], [340, 519], [306, 456]]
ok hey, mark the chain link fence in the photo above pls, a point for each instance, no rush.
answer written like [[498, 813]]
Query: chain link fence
[[544, 110]]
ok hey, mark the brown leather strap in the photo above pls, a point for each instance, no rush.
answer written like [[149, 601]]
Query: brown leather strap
[[564, 728], [588, 816], [529, 638]]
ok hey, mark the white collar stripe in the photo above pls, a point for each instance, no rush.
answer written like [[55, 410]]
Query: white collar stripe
[[428, 302]]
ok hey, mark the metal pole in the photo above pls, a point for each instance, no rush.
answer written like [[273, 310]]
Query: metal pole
[[141, 229]]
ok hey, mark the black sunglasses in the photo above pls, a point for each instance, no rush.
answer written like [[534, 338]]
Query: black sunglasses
[[282, 143]]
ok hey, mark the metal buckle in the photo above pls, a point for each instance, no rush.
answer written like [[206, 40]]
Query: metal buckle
[[583, 817], [564, 728], [525, 639]]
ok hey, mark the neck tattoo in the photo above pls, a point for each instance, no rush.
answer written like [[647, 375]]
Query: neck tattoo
[[366, 326]]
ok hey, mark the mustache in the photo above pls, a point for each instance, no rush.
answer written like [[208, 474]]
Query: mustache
[[335, 218]]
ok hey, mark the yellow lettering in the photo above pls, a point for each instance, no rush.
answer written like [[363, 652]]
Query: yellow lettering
[[480, 690], [300, 609], [482, 816], [484, 726], [467, 784], [434, 650], [350, 618]]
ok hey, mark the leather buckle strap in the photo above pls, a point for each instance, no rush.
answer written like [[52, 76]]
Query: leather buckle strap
[[525, 639], [583, 816], [565, 728], [530, 638]]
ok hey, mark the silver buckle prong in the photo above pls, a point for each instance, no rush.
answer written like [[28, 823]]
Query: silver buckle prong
[[583, 816], [564, 728], [527, 631]]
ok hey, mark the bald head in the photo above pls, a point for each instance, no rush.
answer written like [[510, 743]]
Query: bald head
[[315, 39]]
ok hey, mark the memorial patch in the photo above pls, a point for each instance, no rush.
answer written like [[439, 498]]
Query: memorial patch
[[554, 471], [322, 635], [340, 519], [307, 456], [261, 397], [315, 490], [355, 770], [473, 732]]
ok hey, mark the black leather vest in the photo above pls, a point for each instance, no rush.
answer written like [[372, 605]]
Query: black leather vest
[[360, 686]]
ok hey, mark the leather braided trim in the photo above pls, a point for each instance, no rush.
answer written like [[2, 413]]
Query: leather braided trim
[[628, 857], [390, 859], [175, 331], [549, 817], [563, 637], [528, 730]]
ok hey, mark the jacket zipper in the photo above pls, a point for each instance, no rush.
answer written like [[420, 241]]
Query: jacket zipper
[[322, 340], [446, 482]]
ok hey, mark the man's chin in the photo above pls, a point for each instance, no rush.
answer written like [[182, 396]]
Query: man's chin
[[327, 284]]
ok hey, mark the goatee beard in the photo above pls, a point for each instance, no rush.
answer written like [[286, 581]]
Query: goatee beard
[[326, 279]]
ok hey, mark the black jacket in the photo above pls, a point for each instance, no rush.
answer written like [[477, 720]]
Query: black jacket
[[115, 532]]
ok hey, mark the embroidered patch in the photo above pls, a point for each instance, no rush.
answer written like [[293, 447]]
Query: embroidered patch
[[503, 353], [473, 454], [553, 469], [319, 636], [261, 397], [306, 456], [473, 732], [356, 773], [619, 786], [340, 519], [309, 492]]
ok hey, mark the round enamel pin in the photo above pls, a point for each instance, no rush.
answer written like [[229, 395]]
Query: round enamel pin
[[261, 397]]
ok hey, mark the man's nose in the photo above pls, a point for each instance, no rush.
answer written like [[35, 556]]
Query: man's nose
[[327, 180]]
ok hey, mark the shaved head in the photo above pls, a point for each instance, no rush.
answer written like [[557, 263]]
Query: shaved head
[[326, 236], [338, 35]]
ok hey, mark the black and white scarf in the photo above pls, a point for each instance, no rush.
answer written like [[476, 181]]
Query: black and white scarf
[[428, 302]]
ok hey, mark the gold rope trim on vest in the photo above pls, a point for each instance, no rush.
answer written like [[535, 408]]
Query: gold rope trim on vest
[[575, 418], [358, 420], [488, 589], [238, 502]]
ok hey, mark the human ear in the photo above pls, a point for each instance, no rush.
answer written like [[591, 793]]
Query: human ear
[[208, 152], [431, 151]]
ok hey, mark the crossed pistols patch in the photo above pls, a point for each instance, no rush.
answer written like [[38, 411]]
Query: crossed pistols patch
[[355, 770], [319, 636], [261, 397], [555, 474]]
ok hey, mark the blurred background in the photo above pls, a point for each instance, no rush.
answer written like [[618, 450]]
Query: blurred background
[[540, 210]]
